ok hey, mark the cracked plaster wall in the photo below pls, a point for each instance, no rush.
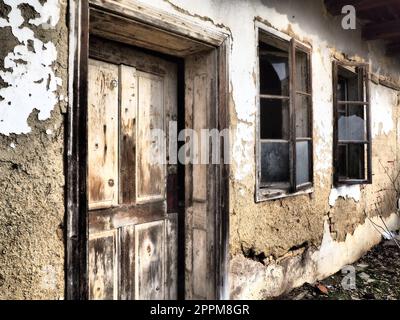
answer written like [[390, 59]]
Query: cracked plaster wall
[[273, 230], [33, 82], [31, 140]]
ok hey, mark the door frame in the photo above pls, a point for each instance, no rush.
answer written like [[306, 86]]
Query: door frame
[[77, 226]]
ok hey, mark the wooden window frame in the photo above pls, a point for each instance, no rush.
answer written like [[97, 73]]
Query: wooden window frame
[[268, 193], [368, 142], [76, 249]]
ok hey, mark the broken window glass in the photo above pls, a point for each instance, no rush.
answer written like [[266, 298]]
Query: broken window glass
[[285, 113], [302, 162], [274, 116], [352, 131], [274, 163], [274, 78]]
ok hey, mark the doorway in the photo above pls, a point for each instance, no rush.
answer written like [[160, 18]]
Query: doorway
[[139, 230], [132, 200]]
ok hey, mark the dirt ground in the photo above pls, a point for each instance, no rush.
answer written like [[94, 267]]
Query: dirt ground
[[377, 277]]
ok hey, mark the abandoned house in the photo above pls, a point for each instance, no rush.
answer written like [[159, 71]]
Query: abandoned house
[[299, 180]]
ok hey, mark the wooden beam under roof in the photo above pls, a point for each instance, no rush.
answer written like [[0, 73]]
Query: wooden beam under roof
[[381, 30], [393, 48], [362, 6]]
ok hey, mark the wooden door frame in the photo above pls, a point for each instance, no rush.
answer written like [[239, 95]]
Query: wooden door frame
[[76, 273]]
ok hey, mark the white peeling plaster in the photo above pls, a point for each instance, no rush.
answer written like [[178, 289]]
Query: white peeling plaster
[[49, 132], [33, 83], [252, 280], [322, 109], [49, 278], [242, 148], [12, 145], [243, 64], [334, 255], [382, 102], [346, 192]]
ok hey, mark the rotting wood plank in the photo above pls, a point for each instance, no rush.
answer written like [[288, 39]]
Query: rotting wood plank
[[128, 108], [150, 150], [135, 33], [149, 261], [103, 134], [127, 274], [207, 35], [103, 270], [76, 285]]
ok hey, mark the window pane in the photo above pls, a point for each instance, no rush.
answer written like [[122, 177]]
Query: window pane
[[303, 105], [352, 161], [274, 119], [341, 90], [274, 162], [342, 165], [274, 70], [350, 84], [356, 162], [351, 124], [302, 75], [302, 162]]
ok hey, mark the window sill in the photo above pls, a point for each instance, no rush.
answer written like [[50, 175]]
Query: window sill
[[351, 182], [269, 194]]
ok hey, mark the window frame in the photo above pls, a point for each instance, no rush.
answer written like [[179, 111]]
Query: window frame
[[269, 193], [337, 181]]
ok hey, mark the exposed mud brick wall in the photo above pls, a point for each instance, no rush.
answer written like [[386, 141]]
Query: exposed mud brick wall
[[33, 82]]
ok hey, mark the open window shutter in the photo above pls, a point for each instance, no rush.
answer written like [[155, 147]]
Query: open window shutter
[[368, 127], [335, 123], [301, 117]]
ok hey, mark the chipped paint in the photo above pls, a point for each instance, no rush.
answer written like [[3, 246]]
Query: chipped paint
[[253, 280], [276, 220], [272, 227], [49, 278], [382, 101], [29, 73], [33, 60], [241, 149], [345, 192], [332, 255], [323, 111]]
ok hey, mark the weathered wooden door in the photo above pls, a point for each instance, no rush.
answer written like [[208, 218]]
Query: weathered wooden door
[[132, 228]]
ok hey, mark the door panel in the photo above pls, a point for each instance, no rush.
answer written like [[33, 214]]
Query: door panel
[[150, 168], [149, 253], [103, 266], [200, 113], [103, 134], [132, 238], [199, 263], [171, 254], [127, 278]]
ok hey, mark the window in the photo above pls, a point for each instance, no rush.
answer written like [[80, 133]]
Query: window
[[352, 134], [284, 135]]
